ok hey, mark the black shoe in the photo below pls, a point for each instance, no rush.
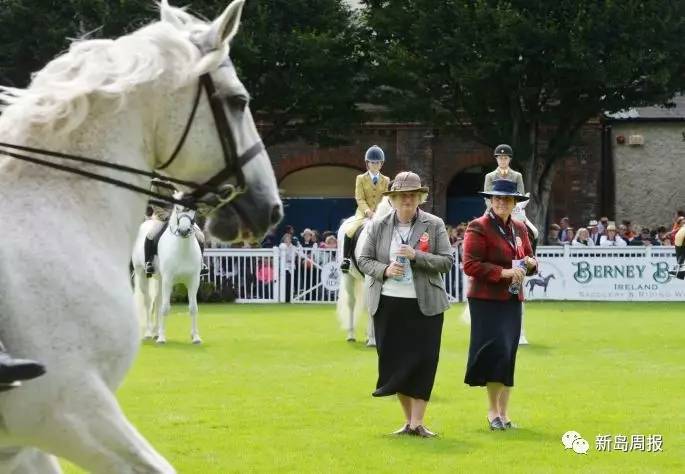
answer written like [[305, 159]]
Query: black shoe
[[149, 269], [402, 431], [422, 431], [9, 386], [204, 270], [345, 265], [496, 424], [13, 370]]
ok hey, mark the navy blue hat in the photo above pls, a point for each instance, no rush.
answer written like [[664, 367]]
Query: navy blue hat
[[504, 187], [374, 153]]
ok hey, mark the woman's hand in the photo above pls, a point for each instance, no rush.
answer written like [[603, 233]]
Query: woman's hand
[[407, 251], [516, 274], [394, 270]]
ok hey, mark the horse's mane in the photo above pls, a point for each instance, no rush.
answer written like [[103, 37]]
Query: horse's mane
[[59, 96]]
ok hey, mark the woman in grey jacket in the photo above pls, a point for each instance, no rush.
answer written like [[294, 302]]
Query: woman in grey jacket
[[405, 255]]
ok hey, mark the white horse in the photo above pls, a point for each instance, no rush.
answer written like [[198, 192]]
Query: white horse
[[518, 214], [351, 295], [65, 297], [178, 260]]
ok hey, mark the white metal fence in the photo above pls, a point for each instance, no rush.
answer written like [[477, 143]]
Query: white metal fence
[[295, 275], [305, 275]]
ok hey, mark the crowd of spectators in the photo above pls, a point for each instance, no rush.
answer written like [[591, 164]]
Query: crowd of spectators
[[607, 233], [597, 232]]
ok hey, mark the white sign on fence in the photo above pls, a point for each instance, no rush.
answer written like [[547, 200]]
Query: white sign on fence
[[605, 274]]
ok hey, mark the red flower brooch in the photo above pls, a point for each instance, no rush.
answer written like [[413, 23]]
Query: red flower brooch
[[423, 242]]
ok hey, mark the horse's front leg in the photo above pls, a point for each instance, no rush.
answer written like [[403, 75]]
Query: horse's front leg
[[192, 308], [163, 307]]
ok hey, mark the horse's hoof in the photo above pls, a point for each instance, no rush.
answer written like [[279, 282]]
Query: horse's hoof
[[197, 341], [155, 337], [161, 341], [351, 339], [147, 337]]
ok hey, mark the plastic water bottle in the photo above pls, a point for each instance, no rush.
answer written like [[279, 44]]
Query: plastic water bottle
[[514, 288], [405, 263]]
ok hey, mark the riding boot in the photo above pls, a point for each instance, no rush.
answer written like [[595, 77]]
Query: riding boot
[[12, 371], [679, 270], [204, 269], [149, 257], [347, 254]]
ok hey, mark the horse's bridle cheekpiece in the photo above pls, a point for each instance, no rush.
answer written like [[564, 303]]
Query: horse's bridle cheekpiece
[[210, 196]]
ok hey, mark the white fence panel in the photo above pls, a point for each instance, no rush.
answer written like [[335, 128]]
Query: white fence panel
[[252, 273], [314, 276]]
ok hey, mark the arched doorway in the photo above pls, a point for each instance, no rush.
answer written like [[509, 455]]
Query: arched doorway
[[318, 197], [463, 201]]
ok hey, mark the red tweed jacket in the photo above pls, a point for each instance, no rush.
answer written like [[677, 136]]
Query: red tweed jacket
[[487, 253]]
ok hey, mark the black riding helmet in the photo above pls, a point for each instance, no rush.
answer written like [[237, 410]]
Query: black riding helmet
[[503, 150]]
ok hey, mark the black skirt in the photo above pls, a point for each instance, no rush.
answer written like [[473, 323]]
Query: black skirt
[[495, 332], [408, 346]]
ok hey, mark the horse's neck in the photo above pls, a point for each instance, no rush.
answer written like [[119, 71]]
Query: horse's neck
[[76, 204]]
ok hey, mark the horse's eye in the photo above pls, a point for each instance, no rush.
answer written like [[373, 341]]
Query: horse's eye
[[238, 102]]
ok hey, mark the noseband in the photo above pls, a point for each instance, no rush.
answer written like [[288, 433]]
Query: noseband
[[179, 216]]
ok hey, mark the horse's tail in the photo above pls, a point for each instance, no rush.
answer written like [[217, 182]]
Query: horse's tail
[[351, 303]]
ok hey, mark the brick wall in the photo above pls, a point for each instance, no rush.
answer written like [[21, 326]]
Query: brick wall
[[438, 157]]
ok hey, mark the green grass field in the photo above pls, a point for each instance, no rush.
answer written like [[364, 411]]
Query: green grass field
[[277, 388]]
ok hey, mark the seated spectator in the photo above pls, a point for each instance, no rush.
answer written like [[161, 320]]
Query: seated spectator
[[553, 235], [563, 230], [602, 226], [612, 239], [626, 230], [331, 242], [583, 239], [288, 229], [662, 234], [308, 240], [456, 235], [645, 238], [593, 231], [571, 234]]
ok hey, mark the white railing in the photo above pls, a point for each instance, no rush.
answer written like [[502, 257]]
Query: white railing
[[252, 274], [295, 275], [305, 275]]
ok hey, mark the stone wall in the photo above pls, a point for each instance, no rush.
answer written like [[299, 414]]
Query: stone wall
[[649, 178]]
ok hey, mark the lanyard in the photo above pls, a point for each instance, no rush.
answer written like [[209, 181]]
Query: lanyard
[[504, 232], [404, 240]]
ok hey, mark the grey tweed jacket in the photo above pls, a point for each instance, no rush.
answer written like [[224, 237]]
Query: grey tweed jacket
[[427, 267]]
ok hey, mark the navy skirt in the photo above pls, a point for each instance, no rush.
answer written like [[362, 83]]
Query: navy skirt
[[495, 331], [408, 346]]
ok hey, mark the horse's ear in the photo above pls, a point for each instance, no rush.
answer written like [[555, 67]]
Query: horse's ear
[[523, 204], [168, 14], [225, 27]]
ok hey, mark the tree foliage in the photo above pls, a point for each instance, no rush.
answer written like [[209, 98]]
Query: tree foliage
[[512, 68], [299, 59]]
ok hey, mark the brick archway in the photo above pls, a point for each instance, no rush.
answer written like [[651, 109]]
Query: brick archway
[[347, 157]]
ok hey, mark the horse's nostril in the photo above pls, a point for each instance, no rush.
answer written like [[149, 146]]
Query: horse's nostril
[[276, 214]]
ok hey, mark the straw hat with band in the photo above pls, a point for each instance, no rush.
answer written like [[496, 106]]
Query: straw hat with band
[[504, 187], [406, 182]]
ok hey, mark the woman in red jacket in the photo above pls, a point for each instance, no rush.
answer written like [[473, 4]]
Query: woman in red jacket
[[493, 244]]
